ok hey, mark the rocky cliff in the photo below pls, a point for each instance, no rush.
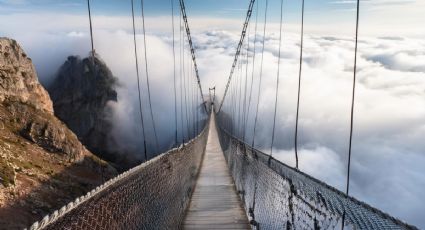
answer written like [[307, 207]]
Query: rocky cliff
[[43, 165], [18, 79], [82, 93]]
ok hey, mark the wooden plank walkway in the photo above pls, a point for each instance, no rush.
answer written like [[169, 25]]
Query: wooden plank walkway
[[215, 203]]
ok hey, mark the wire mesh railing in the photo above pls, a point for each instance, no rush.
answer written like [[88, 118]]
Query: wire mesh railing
[[277, 196], [153, 195]]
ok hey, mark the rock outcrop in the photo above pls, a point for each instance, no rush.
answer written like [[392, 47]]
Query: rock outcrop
[[43, 165], [82, 92], [18, 79]]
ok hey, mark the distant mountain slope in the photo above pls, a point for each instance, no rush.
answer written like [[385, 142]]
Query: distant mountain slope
[[81, 93], [43, 165]]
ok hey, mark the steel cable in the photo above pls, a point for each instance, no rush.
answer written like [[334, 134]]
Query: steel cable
[[261, 74], [238, 50], [353, 97], [91, 33], [181, 77], [174, 73], [253, 67], [299, 85], [184, 86], [138, 83], [192, 50], [277, 77], [246, 83], [147, 77]]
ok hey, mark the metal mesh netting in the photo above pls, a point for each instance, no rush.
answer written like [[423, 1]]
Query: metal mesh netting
[[153, 195], [277, 196]]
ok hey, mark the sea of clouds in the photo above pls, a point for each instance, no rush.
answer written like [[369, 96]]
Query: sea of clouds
[[388, 149]]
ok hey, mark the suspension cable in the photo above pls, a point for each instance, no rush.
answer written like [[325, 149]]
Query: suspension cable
[[174, 67], [192, 82], [189, 96], [91, 33], [353, 97], [253, 68], [246, 84], [197, 112], [181, 75], [261, 74], [299, 85], [236, 120], [192, 50], [352, 108], [241, 88], [238, 50], [138, 83], [194, 102], [235, 102], [184, 85], [232, 107], [147, 77], [238, 96], [277, 77], [241, 81]]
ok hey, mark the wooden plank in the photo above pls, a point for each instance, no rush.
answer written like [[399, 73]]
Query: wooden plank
[[215, 203]]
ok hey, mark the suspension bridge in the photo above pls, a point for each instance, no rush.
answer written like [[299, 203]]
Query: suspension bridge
[[215, 178]]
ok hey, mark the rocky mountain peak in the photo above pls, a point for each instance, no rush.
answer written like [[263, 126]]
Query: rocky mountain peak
[[18, 78], [81, 93]]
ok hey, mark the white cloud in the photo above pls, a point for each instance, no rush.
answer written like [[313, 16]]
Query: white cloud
[[76, 34], [389, 116]]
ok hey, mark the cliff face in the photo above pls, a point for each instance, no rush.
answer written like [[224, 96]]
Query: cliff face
[[43, 165], [18, 79], [81, 94]]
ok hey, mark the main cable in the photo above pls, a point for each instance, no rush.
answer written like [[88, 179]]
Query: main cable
[[138, 83], [253, 68], [238, 50], [299, 85], [147, 77], [192, 50], [277, 78]]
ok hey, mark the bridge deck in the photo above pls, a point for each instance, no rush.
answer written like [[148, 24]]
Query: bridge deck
[[215, 203]]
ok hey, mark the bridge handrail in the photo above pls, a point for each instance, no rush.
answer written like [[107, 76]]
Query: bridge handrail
[[54, 216], [306, 186]]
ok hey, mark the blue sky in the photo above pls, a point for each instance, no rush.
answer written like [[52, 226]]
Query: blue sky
[[218, 8], [383, 17], [212, 8]]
